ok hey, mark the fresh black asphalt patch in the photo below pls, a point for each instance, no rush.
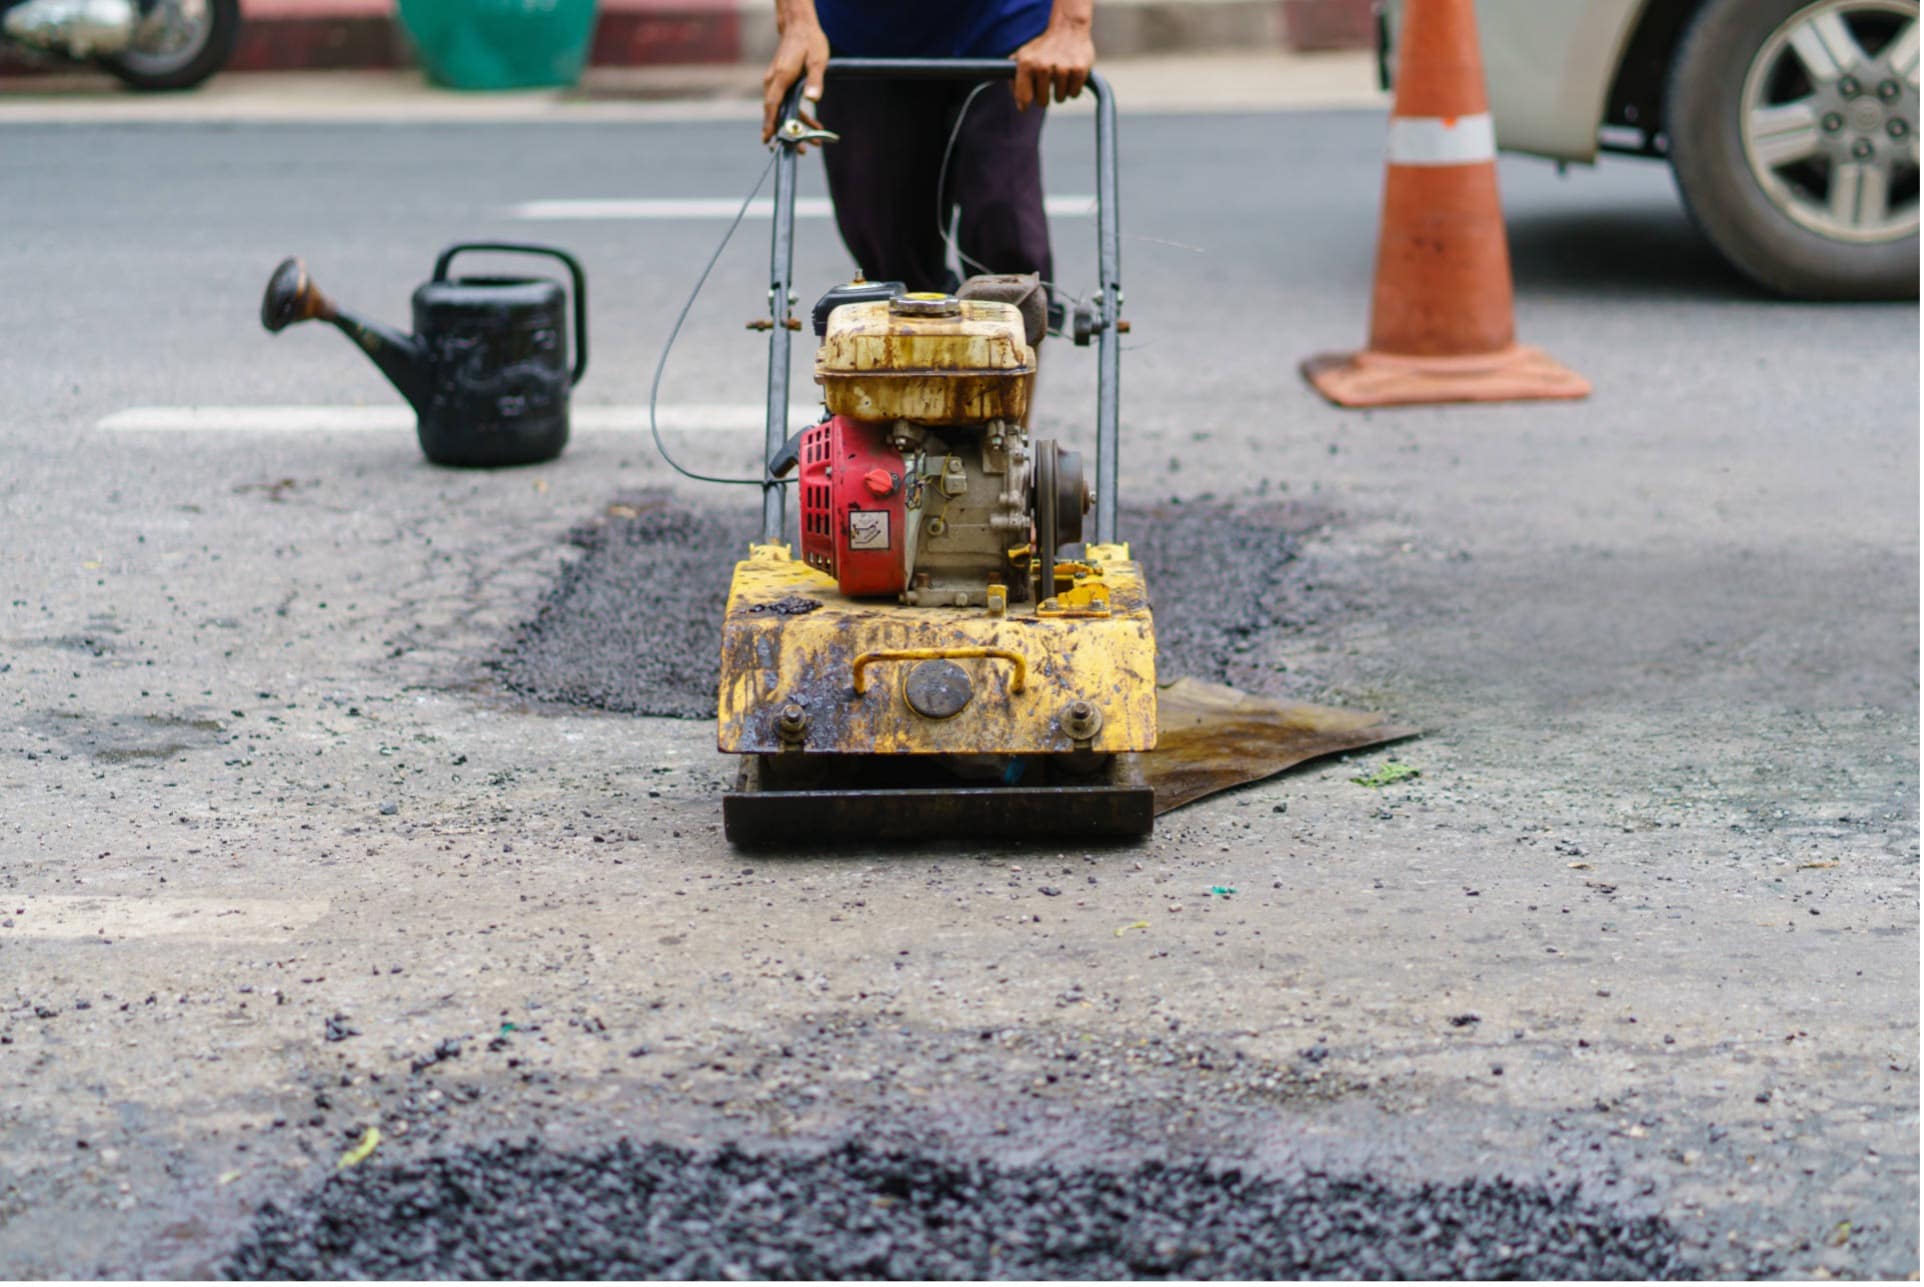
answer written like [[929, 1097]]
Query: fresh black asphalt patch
[[634, 624], [523, 1211]]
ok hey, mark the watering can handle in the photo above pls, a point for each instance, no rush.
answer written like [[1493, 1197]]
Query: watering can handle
[[574, 271]]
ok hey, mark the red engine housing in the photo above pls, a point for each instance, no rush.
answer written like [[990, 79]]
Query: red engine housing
[[854, 507]]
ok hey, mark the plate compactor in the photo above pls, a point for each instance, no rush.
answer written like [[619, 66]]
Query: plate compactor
[[945, 656]]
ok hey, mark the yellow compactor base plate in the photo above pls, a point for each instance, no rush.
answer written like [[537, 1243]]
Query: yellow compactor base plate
[[791, 642]]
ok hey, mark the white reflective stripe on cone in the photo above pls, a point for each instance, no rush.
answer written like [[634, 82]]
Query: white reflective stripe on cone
[[1442, 140]]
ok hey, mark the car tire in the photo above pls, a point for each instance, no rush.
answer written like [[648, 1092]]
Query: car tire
[[1777, 223]]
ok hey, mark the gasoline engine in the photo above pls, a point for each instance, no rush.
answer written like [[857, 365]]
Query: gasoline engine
[[923, 484]]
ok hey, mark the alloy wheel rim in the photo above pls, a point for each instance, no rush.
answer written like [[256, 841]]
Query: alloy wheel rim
[[1830, 119]]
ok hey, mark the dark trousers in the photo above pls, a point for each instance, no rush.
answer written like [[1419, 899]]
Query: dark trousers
[[885, 177]]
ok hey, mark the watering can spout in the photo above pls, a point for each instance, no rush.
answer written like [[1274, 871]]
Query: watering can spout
[[292, 297]]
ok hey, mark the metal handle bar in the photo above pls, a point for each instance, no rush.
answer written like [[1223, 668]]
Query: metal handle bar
[[522, 248], [1017, 681], [1108, 302]]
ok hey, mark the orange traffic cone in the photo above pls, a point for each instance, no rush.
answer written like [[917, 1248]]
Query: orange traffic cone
[[1442, 325]]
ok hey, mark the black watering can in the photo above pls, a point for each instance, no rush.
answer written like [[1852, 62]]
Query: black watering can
[[486, 369]]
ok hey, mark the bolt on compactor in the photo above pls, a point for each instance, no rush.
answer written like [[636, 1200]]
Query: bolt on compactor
[[945, 654]]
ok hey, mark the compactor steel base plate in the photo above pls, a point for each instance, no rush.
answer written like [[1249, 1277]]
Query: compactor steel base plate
[[852, 799]]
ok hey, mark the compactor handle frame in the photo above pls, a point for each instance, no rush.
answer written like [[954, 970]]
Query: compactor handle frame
[[1108, 301]]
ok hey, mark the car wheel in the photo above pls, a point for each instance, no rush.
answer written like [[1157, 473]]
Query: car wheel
[[1793, 133]]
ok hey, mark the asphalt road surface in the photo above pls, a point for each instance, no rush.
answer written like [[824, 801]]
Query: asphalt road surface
[[272, 833]]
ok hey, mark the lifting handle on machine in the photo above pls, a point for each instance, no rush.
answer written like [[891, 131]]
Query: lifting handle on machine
[[1019, 665], [1108, 301]]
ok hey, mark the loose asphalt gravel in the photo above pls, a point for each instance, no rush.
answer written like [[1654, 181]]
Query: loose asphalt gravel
[[631, 625], [512, 1210]]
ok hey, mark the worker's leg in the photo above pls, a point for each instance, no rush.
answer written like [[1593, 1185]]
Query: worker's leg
[[996, 178], [882, 176]]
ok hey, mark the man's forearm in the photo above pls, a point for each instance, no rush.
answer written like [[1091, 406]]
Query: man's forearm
[[1059, 59], [789, 12], [1078, 15]]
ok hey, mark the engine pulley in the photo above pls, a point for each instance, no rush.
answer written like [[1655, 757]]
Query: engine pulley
[[1060, 498]]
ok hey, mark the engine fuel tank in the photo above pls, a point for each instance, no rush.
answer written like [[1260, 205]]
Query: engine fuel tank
[[927, 359]]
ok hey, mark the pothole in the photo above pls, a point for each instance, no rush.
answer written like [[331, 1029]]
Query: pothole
[[634, 625], [134, 739]]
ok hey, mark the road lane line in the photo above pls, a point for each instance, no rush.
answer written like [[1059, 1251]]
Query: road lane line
[[202, 918], [1067, 206], [682, 417]]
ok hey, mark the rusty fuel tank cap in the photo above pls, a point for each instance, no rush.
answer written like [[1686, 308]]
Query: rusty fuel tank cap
[[937, 689], [925, 303]]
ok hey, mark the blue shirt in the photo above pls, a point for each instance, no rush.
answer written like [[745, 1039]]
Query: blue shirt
[[931, 28]]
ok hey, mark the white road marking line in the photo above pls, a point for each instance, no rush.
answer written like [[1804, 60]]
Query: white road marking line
[[681, 417], [128, 916], [1068, 206]]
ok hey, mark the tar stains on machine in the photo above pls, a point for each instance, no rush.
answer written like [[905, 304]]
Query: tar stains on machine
[[655, 1212], [789, 605], [632, 626]]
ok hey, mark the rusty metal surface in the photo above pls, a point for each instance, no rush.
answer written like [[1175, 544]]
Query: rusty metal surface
[[1214, 737], [771, 659], [967, 369]]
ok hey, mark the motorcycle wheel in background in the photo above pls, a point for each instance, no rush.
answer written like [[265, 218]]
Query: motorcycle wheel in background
[[179, 44]]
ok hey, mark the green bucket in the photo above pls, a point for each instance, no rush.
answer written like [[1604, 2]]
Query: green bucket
[[501, 44]]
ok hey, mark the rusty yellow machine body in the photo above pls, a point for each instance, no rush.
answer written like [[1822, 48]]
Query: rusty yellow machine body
[[853, 676], [933, 650]]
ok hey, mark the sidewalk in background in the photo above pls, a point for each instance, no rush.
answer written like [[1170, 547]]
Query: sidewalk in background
[[287, 35], [1213, 82]]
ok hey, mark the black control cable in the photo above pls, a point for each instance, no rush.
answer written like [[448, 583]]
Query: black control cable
[[654, 389], [945, 225]]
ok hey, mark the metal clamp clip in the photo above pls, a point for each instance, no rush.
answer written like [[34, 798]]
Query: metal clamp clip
[[794, 132]]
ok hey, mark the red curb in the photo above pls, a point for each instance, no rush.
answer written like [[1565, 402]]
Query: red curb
[[651, 33], [318, 41], [253, 9], [309, 34]]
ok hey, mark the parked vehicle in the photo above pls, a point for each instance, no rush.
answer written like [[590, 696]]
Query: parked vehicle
[[1791, 124], [150, 44]]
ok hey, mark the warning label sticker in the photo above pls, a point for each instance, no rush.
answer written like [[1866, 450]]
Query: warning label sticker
[[868, 529]]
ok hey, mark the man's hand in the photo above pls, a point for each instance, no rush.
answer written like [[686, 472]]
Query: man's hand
[[803, 51], [1059, 59]]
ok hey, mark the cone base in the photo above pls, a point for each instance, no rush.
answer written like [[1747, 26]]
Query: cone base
[[1368, 379]]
